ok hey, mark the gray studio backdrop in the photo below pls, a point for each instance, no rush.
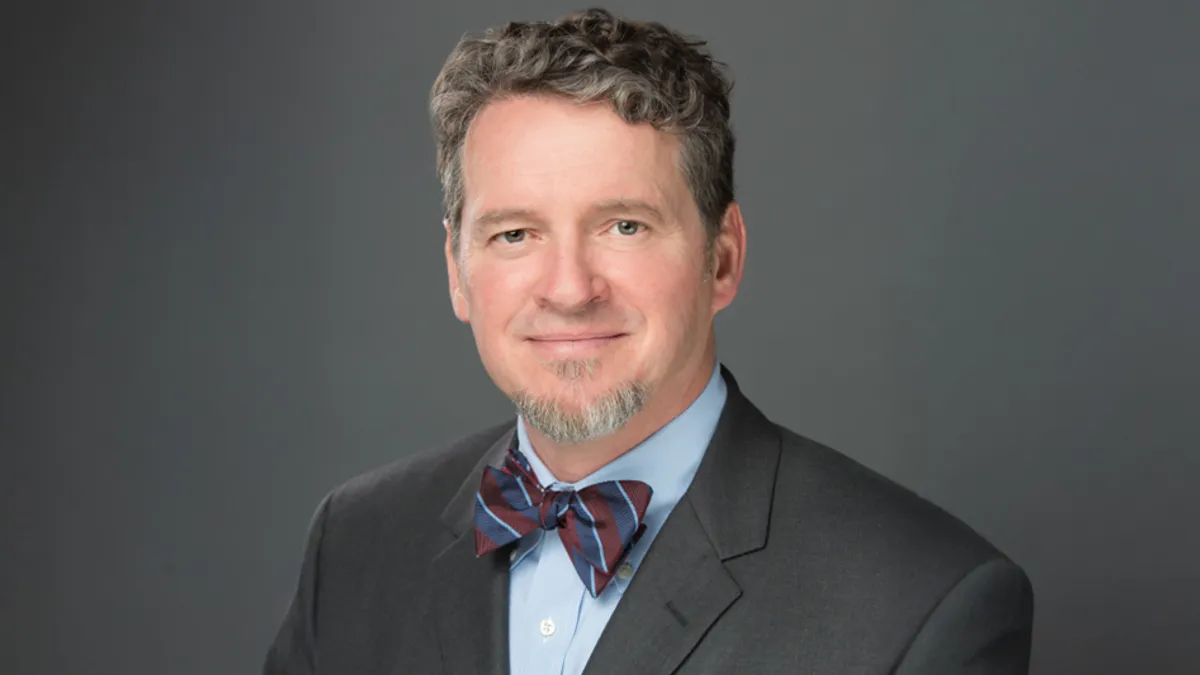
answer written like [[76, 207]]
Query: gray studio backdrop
[[972, 266]]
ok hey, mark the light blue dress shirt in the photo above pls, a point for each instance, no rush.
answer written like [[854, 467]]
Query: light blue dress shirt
[[554, 623]]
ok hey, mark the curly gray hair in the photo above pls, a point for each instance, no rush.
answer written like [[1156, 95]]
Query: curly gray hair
[[648, 72]]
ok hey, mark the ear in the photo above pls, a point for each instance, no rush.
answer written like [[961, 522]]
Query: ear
[[729, 258], [458, 300]]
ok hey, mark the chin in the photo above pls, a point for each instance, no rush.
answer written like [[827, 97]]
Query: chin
[[580, 412]]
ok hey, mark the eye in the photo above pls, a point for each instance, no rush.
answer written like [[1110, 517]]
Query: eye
[[513, 236], [628, 227]]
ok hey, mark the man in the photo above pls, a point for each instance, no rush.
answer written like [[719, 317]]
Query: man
[[640, 515]]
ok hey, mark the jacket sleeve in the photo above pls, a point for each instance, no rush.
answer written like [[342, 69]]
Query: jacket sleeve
[[293, 651], [983, 626]]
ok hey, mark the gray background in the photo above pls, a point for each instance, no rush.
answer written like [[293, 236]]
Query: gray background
[[973, 231]]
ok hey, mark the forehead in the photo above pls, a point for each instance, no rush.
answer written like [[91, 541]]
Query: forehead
[[548, 153]]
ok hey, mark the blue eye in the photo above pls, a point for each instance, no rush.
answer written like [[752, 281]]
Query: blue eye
[[513, 236], [627, 227]]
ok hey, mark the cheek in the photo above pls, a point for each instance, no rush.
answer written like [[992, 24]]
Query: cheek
[[665, 291], [495, 297]]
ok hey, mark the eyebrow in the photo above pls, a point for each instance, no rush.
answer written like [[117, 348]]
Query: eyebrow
[[498, 216], [634, 206]]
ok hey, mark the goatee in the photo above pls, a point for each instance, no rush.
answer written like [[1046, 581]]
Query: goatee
[[600, 417]]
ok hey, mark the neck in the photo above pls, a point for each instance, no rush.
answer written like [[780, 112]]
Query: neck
[[570, 462]]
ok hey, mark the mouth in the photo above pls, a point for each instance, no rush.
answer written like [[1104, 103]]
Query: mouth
[[574, 345]]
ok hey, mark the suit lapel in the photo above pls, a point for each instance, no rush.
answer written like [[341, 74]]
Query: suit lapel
[[679, 591], [682, 586], [470, 595]]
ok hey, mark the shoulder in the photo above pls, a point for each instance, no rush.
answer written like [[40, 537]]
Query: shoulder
[[415, 488], [890, 562], [859, 512]]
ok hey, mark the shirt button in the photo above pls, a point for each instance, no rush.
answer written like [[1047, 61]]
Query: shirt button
[[547, 627], [624, 571], [512, 557]]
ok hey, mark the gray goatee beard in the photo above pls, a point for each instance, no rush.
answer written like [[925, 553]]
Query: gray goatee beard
[[606, 414]]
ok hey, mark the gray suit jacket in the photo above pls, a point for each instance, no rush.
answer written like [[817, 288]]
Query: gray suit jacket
[[784, 556]]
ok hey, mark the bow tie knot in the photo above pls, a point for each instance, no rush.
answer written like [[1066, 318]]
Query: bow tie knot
[[553, 509], [597, 524]]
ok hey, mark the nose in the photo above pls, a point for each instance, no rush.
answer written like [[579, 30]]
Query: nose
[[571, 282]]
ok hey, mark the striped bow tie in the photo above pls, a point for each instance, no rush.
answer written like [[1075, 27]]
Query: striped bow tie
[[597, 525]]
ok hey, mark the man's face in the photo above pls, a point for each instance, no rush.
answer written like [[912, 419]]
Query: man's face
[[582, 267]]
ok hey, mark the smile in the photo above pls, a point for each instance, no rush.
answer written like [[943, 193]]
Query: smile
[[567, 346]]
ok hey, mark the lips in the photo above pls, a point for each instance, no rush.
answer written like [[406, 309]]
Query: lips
[[574, 344], [574, 337]]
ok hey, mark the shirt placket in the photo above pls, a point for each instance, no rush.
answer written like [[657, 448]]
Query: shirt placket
[[553, 606]]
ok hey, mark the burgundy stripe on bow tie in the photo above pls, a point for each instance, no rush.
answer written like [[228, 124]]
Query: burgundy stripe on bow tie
[[597, 524]]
